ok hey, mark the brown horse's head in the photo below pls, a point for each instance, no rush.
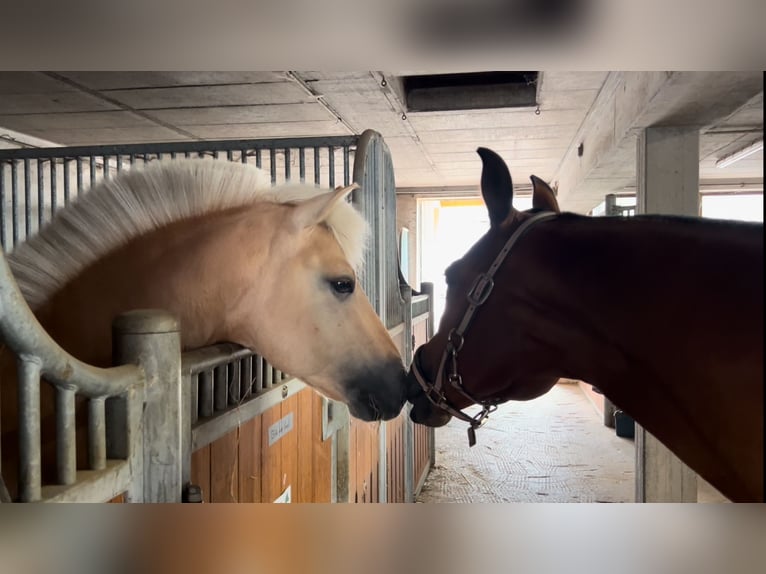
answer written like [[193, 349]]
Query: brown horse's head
[[493, 358]]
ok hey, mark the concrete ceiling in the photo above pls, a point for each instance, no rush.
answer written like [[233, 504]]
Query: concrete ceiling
[[432, 151]]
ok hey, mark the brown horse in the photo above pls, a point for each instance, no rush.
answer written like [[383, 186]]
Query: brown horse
[[235, 259], [663, 314]]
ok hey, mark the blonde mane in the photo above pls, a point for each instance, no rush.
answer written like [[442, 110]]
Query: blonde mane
[[142, 200]]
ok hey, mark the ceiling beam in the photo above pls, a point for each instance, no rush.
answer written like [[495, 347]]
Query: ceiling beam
[[595, 162]]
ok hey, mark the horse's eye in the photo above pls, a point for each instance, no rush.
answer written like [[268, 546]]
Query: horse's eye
[[342, 286]]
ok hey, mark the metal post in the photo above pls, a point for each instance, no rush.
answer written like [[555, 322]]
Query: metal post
[[30, 479], [151, 339], [427, 288], [341, 443]]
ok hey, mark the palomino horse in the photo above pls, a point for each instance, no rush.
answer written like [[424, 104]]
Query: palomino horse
[[215, 244], [663, 314]]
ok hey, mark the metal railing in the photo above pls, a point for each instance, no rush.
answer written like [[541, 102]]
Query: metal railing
[[221, 386], [114, 397]]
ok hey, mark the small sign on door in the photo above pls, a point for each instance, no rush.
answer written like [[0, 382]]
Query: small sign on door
[[280, 428]]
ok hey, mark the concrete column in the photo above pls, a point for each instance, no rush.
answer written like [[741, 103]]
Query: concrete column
[[407, 216], [668, 183], [152, 339]]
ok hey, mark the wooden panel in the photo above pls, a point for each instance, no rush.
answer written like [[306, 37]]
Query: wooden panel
[[321, 455], [375, 464], [250, 460], [289, 447], [395, 459], [352, 494], [364, 461], [200, 471], [271, 458], [224, 476], [303, 489], [261, 472], [422, 452]]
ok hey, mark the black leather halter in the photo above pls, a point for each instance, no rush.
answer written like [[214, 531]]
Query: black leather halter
[[448, 369]]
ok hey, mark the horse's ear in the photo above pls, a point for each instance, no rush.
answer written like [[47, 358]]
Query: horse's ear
[[496, 186], [543, 197], [317, 209]]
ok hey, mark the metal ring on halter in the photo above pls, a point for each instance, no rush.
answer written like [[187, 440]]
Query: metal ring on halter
[[451, 345]]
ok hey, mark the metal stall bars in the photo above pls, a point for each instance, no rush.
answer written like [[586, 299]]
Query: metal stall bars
[[119, 441], [30, 184], [221, 380]]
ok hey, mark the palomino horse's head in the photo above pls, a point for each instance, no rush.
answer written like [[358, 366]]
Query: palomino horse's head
[[469, 360], [331, 336]]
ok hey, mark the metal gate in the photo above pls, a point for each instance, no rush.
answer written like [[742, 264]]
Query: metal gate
[[224, 388]]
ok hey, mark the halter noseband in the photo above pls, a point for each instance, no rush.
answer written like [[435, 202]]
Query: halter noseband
[[477, 296]]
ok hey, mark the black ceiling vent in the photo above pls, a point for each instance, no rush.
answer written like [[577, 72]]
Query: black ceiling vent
[[471, 91]]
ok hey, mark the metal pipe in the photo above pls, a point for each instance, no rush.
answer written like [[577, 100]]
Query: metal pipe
[[97, 434], [40, 194], [14, 203], [259, 384], [152, 340], [346, 166], [24, 335], [181, 147], [66, 436], [273, 165], [206, 358], [92, 170], [54, 196], [66, 183], [206, 394], [79, 175], [193, 381], [302, 164], [30, 471], [2, 207], [220, 388], [27, 200], [247, 377], [331, 164], [233, 380], [316, 166], [268, 375]]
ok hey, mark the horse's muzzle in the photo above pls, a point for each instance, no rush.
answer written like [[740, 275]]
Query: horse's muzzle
[[423, 411], [377, 394]]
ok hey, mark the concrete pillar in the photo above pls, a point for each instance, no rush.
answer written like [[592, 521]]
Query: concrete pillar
[[152, 339], [407, 216], [668, 183]]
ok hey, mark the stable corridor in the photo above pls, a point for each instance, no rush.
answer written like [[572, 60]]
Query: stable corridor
[[551, 449]]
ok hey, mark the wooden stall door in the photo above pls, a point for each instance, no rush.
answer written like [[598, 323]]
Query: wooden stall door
[[278, 453]]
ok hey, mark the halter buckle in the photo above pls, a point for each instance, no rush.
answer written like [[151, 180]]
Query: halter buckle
[[480, 289]]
